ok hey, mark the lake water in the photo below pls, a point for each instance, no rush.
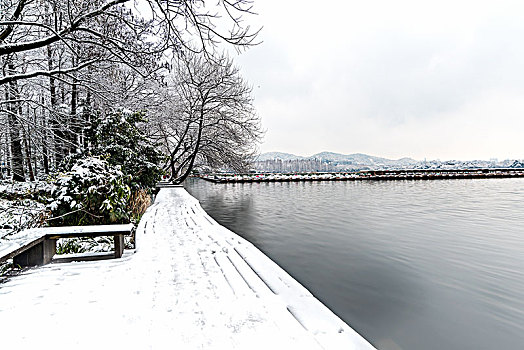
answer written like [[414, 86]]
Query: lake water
[[408, 264]]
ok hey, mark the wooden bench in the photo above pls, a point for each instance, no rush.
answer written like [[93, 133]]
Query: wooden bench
[[38, 246]]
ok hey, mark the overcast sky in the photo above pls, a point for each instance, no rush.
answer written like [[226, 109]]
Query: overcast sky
[[421, 79]]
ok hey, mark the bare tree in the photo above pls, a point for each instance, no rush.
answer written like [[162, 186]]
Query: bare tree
[[73, 58], [30, 25], [213, 120]]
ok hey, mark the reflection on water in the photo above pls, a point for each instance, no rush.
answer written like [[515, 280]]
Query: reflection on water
[[408, 264]]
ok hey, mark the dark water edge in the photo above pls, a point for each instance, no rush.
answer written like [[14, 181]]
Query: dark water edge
[[408, 264]]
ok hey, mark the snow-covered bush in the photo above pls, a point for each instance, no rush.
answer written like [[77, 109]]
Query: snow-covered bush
[[5, 268], [92, 192], [119, 138]]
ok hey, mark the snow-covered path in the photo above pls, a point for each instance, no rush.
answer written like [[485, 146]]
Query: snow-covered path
[[191, 284]]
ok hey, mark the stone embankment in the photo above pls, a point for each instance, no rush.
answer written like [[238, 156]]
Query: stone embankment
[[417, 174]]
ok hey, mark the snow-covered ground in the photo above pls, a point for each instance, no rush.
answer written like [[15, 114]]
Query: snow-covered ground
[[18, 214], [19, 208], [191, 284], [17, 189]]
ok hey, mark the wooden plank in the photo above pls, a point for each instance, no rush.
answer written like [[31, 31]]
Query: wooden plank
[[120, 228], [52, 233], [119, 245], [87, 231], [86, 234], [90, 256], [23, 247], [40, 254]]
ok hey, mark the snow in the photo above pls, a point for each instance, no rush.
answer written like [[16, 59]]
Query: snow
[[190, 284], [19, 205], [11, 243], [10, 188], [18, 214]]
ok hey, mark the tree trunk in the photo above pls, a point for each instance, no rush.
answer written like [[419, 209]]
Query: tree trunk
[[45, 153], [28, 156], [4, 166], [27, 150], [73, 120], [17, 158], [58, 135], [197, 147], [86, 119], [8, 165]]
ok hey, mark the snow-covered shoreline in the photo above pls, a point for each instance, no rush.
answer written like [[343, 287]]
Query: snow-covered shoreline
[[190, 283]]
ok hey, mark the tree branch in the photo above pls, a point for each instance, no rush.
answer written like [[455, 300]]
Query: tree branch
[[5, 33], [48, 73], [31, 45]]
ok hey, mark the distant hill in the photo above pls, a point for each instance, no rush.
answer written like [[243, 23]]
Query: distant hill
[[360, 158], [517, 164], [356, 158], [278, 155], [330, 161]]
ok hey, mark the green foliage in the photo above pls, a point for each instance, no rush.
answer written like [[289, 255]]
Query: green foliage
[[94, 186], [118, 137], [70, 246], [70, 161], [5, 267], [93, 192], [89, 244], [84, 244]]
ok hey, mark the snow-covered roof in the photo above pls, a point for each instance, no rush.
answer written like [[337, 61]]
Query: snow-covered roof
[[191, 284]]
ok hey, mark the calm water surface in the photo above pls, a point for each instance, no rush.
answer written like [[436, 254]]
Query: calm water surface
[[408, 264]]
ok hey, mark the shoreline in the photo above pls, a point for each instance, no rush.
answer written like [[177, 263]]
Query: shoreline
[[190, 283], [369, 175], [329, 330]]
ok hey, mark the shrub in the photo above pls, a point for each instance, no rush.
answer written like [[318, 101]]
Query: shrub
[[119, 138], [138, 203], [85, 244], [92, 192], [69, 246], [5, 267]]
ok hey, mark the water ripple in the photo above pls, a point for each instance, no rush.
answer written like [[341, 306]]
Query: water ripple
[[408, 264]]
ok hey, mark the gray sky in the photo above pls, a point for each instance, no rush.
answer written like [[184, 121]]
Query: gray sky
[[440, 79]]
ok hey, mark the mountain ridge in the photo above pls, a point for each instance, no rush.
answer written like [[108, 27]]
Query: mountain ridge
[[332, 156], [331, 161]]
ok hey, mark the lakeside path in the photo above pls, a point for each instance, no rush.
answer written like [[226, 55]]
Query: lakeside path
[[190, 284]]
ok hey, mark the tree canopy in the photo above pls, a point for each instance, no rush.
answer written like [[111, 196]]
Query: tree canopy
[[67, 67]]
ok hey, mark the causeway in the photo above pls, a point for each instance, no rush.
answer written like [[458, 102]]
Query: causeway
[[190, 284]]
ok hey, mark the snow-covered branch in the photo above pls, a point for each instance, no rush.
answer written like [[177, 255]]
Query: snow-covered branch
[[20, 76], [74, 25]]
